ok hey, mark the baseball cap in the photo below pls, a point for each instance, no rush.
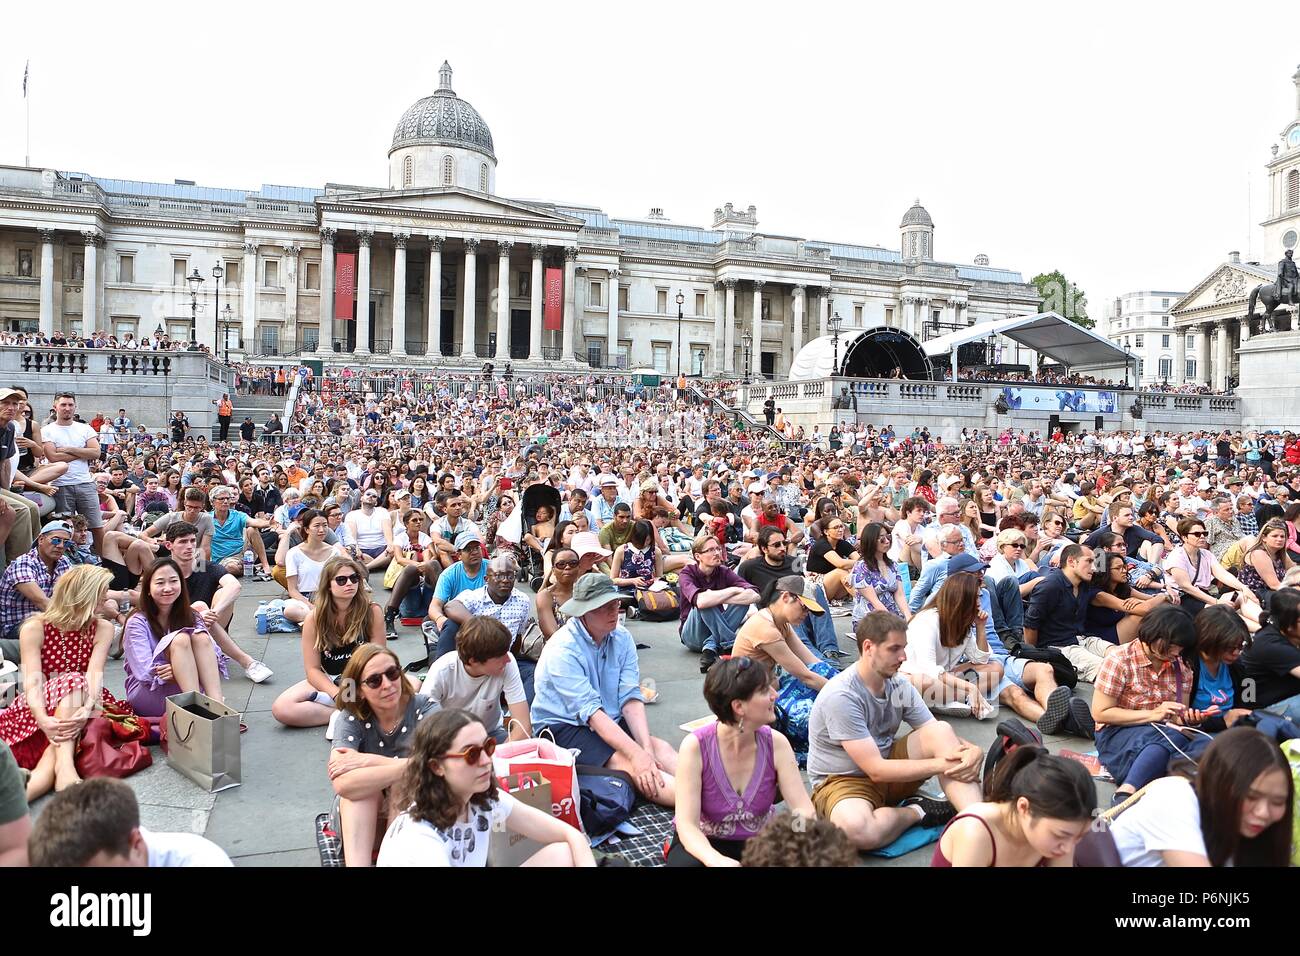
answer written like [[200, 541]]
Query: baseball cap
[[8, 393], [466, 538], [802, 588], [590, 592], [50, 527], [757, 488], [965, 562]]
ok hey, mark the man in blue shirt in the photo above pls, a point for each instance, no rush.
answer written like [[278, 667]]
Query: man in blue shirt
[[588, 692], [1057, 608], [469, 572]]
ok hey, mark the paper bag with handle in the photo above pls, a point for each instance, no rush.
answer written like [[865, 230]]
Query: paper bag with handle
[[555, 764], [511, 849], [203, 740]]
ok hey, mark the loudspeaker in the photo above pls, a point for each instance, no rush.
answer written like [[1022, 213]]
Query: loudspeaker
[[1097, 423], [1052, 423]]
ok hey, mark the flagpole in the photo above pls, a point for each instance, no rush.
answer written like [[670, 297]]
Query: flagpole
[[27, 103]]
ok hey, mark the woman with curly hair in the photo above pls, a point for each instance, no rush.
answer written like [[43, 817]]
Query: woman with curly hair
[[454, 806]]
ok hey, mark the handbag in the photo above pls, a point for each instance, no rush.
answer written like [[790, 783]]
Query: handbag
[[506, 848], [661, 605], [102, 753], [554, 763], [530, 642]]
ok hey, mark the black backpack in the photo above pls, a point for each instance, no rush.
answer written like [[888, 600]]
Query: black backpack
[[1011, 734]]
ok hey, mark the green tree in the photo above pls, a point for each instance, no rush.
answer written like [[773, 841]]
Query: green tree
[[1060, 295]]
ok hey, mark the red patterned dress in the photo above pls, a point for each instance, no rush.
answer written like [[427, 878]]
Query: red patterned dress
[[64, 659]]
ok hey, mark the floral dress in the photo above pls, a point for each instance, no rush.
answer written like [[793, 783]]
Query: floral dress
[[64, 659], [867, 576]]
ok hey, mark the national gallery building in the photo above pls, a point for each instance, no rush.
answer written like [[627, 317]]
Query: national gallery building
[[436, 267]]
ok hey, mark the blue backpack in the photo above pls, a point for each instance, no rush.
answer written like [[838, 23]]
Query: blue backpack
[[605, 799]]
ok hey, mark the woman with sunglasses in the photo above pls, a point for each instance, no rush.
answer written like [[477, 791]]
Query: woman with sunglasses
[[342, 620], [1193, 569], [380, 714], [559, 589], [454, 808], [1114, 610]]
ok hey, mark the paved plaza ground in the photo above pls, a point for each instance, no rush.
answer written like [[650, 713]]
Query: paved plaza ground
[[268, 821]]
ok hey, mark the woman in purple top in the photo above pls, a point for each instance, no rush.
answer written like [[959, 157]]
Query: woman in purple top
[[168, 649], [729, 773]]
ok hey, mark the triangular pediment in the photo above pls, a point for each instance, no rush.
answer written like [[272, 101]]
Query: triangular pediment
[[450, 201], [1230, 283]]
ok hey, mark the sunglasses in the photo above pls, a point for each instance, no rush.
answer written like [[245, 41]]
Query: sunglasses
[[59, 542], [342, 580], [1196, 534], [1017, 544], [392, 675], [565, 565], [474, 754]]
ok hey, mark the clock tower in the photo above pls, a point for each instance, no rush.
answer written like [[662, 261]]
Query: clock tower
[[1282, 227]]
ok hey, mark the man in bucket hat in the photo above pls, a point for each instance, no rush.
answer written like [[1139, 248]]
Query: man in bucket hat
[[587, 692]]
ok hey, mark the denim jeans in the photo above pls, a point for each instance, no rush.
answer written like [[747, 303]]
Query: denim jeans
[[1007, 606], [818, 630], [446, 639], [713, 628], [1289, 708]]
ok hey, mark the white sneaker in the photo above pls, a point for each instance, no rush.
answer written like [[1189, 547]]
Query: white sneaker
[[258, 672], [956, 708], [332, 726]]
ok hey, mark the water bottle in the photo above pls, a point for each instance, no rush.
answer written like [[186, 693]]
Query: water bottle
[[248, 565]]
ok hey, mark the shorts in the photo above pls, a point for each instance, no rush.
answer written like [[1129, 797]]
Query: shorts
[[80, 499], [839, 787], [592, 750], [374, 552], [1013, 670]]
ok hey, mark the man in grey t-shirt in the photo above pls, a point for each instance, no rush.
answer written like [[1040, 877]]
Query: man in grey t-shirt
[[859, 765]]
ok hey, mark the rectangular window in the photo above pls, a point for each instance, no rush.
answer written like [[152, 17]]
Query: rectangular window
[[1164, 321], [232, 273], [178, 273], [1191, 370], [624, 354], [661, 353], [857, 316], [126, 268], [935, 316], [1137, 341], [1191, 341], [25, 263], [662, 302], [270, 335], [622, 298], [1166, 369], [1164, 303], [311, 275], [1164, 341], [700, 303], [310, 337], [1140, 363], [271, 274], [123, 325], [74, 326], [889, 316], [594, 296], [178, 331]]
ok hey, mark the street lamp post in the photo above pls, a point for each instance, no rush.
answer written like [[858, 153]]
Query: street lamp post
[[217, 273], [835, 323], [196, 282], [225, 332], [680, 299], [747, 340]]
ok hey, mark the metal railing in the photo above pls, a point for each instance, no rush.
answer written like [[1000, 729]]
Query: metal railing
[[281, 347], [550, 354], [601, 359]]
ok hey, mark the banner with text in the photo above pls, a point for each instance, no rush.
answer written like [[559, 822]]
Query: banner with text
[[1062, 399], [345, 280], [554, 311]]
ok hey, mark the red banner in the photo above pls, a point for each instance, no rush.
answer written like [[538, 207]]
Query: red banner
[[553, 316], [345, 281]]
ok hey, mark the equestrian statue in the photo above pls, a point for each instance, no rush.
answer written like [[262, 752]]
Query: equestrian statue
[[1284, 293]]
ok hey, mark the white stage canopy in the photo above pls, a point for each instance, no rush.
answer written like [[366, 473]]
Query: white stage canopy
[[1047, 333]]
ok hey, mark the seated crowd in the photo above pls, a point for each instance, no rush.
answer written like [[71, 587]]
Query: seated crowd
[[521, 538]]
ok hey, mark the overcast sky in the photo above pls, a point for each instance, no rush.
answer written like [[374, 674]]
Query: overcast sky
[[1123, 143]]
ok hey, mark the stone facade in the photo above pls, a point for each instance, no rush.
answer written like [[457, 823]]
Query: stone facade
[[453, 273], [1140, 323]]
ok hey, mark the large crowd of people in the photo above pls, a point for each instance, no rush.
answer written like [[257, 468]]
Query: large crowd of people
[[846, 597]]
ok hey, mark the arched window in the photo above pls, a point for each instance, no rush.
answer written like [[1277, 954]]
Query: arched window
[[1293, 189], [408, 171], [483, 178], [448, 169]]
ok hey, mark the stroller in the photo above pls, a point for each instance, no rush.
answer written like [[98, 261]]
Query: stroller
[[531, 565]]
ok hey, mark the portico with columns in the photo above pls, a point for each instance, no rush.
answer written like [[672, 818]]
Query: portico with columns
[[1215, 312]]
